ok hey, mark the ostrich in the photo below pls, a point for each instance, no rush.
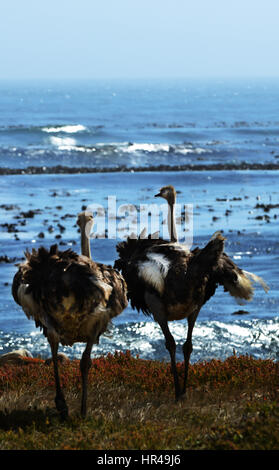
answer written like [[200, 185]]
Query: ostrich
[[170, 282], [72, 298]]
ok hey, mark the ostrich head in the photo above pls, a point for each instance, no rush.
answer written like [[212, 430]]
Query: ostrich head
[[168, 193], [85, 221]]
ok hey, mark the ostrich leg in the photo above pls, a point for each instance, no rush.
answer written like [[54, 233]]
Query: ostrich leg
[[159, 314], [60, 401], [171, 347], [85, 364], [188, 347]]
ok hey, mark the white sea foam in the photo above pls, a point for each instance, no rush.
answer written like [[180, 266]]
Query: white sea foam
[[184, 150], [161, 147], [146, 147], [211, 340], [69, 143], [63, 143]]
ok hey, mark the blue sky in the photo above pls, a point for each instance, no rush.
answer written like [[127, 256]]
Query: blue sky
[[138, 38]]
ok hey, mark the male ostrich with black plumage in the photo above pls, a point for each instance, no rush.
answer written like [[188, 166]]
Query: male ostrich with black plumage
[[167, 280], [72, 298]]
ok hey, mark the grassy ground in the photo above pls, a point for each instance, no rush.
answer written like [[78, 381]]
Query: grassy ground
[[230, 405]]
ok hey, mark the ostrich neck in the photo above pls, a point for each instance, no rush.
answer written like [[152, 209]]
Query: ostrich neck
[[85, 244], [172, 225]]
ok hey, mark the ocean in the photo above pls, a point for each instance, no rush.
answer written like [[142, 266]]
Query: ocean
[[67, 145]]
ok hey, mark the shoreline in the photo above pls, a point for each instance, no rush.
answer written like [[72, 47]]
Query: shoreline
[[60, 169]]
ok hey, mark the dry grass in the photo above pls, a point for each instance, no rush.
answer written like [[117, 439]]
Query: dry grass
[[229, 405]]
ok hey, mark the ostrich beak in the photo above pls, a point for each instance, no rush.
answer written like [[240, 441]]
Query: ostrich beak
[[157, 195]]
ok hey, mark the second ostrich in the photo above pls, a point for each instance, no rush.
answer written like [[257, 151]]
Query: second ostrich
[[170, 282], [70, 297]]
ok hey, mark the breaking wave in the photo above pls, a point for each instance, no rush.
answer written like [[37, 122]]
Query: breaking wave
[[65, 150], [127, 147], [68, 129], [211, 340]]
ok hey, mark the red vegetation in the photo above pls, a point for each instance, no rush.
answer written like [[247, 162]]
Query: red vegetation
[[146, 375]]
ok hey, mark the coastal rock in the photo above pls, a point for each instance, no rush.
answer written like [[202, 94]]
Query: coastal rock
[[30, 214], [17, 356], [241, 312], [62, 358], [6, 259]]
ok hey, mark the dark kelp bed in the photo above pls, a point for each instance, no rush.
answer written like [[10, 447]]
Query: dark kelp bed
[[60, 169]]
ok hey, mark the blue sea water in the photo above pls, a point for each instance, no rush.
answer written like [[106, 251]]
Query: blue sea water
[[142, 124], [138, 123]]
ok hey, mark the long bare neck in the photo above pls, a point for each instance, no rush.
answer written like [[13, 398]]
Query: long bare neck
[[85, 243], [171, 222]]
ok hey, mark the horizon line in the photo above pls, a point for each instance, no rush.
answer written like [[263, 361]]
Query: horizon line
[[155, 78]]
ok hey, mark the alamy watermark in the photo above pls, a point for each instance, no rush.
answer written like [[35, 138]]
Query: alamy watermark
[[129, 220]]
